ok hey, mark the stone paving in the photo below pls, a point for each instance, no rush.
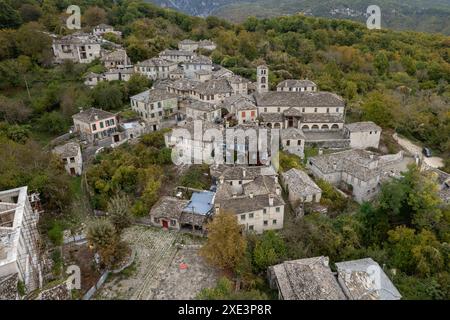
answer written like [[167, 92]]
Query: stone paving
[[155, 273]]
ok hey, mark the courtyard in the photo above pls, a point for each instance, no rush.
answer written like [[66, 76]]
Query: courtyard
[[166, 267]]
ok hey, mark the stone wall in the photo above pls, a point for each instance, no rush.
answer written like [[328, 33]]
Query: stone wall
[[8, 287], [329, 144]]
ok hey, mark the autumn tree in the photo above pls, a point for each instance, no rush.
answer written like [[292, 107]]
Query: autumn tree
[[225, 246], [119, 210], [94, 16]]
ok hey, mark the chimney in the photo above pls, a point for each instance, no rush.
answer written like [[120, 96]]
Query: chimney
[[320, 151], [221, 179], [96, 117], [271, 200], [334, 165], [234, 195], [244, 172], [371, 156], [251, 195], [278, 191], [227, 124], [217, 207]]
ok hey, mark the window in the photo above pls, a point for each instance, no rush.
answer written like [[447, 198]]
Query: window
[[370, 132], [264, 210], [102, 125], [250, 215], [288, 142], [159, 105], [242, 217], [243, 114], [253, 114], [111, 121], [278, 109], [274, 221], [265, 109], [65, 160], [337, 109], [328, 110], [266, 222], [94, 127], [315, 109], [72, 160], [299, 142], [303, 109], [251, 228], [240, 181], [156, 220], [277, 209], [231, 183], [173, 222]]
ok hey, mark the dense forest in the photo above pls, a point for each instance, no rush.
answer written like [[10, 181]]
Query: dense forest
[[417, 15], [400, 80]]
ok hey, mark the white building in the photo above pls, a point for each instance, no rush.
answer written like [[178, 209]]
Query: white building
[[70, 154], [78, 47], [177, 55], [363, 134], [156, 68], [297, 86], [94, 124], [154, 105], [196, 64], [198, 110], [19, 240]]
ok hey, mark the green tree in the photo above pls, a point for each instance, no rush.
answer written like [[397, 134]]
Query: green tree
[[119, 210], [224, 291], [381, 63], [9, 18], [269, 250], [225, 247]]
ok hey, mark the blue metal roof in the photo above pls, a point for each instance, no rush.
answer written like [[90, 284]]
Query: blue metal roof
[[201, 203]]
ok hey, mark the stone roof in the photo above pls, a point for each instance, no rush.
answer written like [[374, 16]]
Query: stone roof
[[359, 163], [237, 99], [291, 83], [216, 86], [8, 287], [292, 112], [154, 95], [360, 281], [92, 75], [156, 62], [184, 84], [78, 38], [116, 55], [299, 183], [177, 71], [291, 133], [168, 207], [235, 79], [206, 43], [246, 105], [67, 150], [199, 60], [122, 71], [262, 185], [188, 41], [169, 52], [271, 117], [307, 279], [189, 126], [244, 204], [203, 106], [237, 172], [299, 99], [103, 26], [222, 72], [202, 72], [92, 115], [362, 126]]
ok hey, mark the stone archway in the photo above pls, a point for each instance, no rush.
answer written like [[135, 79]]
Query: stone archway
[[325, 127], [277, 125], [335, 126], [305, 127], [269, 125], [315, 127]]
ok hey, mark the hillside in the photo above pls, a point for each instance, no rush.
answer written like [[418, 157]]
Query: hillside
[[418, 15]]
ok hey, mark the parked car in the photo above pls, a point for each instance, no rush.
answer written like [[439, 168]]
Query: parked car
[[426, 152]]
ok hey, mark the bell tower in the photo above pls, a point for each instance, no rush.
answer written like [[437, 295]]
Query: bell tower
[[262, 75]]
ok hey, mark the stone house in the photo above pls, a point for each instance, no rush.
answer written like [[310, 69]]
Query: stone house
[[188, 45], [198, 110], [293, 141], [94, 124], [70, 154], [357, 171], [166, 213], [177, 55], [176, 74], [239, 84], [364, 279], [19, 242], [297, 86], [206, 45], [117, 59], [156, 68], [300, 187], [154, 105], [305, 279], [195, 64], [92, 79], [77, 47], [246, 112], [102, 28], [202, 75], [363, 135], [213, 91]]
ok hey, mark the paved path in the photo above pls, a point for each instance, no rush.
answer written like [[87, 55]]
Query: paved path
[[434, 162]]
